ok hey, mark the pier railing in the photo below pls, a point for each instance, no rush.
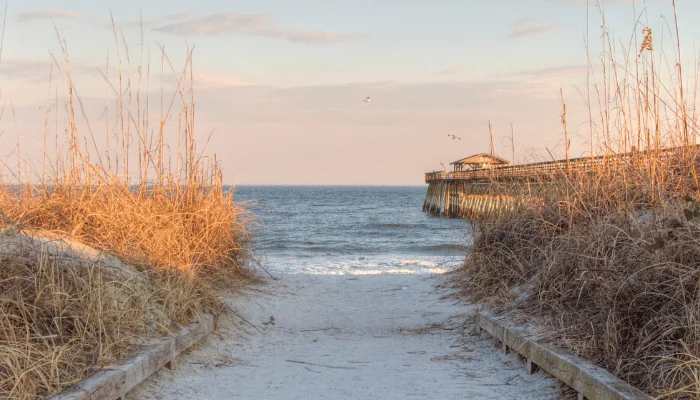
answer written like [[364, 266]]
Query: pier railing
[[434, 176], [475, 194], [549, 170]]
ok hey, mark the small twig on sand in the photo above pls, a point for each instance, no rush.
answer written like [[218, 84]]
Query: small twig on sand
[[320, 329], [259, 264], [244, 320], [317, 365]]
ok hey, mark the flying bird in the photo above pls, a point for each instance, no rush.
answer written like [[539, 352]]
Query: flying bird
[[454, 136], [367, 100]]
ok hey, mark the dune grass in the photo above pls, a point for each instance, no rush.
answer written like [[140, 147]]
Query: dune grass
[[608, 260], [179, 234]]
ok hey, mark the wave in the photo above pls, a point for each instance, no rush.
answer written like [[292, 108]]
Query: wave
[[396, 226], [447, 247], [421, 263], [395, 271]]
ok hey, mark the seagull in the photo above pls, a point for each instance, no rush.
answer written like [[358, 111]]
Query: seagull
[[454, 136], [367, 100]]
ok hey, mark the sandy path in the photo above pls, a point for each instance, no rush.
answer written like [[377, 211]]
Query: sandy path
[[348, 337]]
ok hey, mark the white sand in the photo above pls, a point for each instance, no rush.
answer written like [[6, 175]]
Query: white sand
[[348, 337]]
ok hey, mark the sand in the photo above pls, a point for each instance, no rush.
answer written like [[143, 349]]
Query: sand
[[348, 337]]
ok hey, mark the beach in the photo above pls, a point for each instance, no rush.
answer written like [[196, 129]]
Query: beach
[[376, 336]]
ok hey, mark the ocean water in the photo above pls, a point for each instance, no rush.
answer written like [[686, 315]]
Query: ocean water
[[351, 230]]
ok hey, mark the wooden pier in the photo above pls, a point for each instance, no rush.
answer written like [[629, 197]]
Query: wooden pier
[[455, 198], [485, 186]]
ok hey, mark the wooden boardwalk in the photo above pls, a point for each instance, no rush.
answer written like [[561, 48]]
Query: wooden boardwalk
[[488, 192]]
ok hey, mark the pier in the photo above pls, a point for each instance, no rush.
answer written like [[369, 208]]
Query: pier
[[484, 185]]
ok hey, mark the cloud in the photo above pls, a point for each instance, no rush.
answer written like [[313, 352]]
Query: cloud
[[530, 27], [392, 101], [177, 17], [224, 24], [137, 23], [206, 80], [604, 3], [25, 70], [29, 71], [594, 2], [48, 14], [559, 72], [316, 134], [452, 71], [562, 75]]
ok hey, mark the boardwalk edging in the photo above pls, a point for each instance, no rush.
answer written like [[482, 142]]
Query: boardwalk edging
[[114, 381], [589, 380]]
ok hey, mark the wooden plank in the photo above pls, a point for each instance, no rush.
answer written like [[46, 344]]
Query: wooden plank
[[114, 381], [589, 380]]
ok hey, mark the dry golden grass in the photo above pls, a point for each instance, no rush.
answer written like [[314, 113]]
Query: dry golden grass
[[615, 280], [608, 260], [178, 231], [63, 317], [183, 228]]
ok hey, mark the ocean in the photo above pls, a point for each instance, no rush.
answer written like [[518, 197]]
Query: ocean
[[345, 230]]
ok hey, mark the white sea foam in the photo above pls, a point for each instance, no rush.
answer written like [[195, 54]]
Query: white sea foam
[[369, 266]]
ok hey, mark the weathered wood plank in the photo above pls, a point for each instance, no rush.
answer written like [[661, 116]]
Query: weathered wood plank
[[589, 380], [114, 381]]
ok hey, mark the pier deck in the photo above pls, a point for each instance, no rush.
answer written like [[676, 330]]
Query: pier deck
[[487, 192]]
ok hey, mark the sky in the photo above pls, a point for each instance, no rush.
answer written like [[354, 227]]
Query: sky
[[281, 84]]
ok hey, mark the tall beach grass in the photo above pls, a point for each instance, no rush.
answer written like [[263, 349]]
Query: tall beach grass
[[178, 235], [608, 260]]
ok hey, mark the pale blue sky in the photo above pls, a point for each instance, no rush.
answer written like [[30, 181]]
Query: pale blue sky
[[285, 80]]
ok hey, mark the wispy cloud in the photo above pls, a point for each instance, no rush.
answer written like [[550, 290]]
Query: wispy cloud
[[405, 121], [32, 71], [177, 17], [24, 70], [563, 71], [206, 80], [48, 14], [594, 2], [530, 27], [234, 23], [149, 23], [136, 23], [452, 71]]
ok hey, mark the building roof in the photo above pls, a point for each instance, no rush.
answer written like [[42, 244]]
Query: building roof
[[481, 158]]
